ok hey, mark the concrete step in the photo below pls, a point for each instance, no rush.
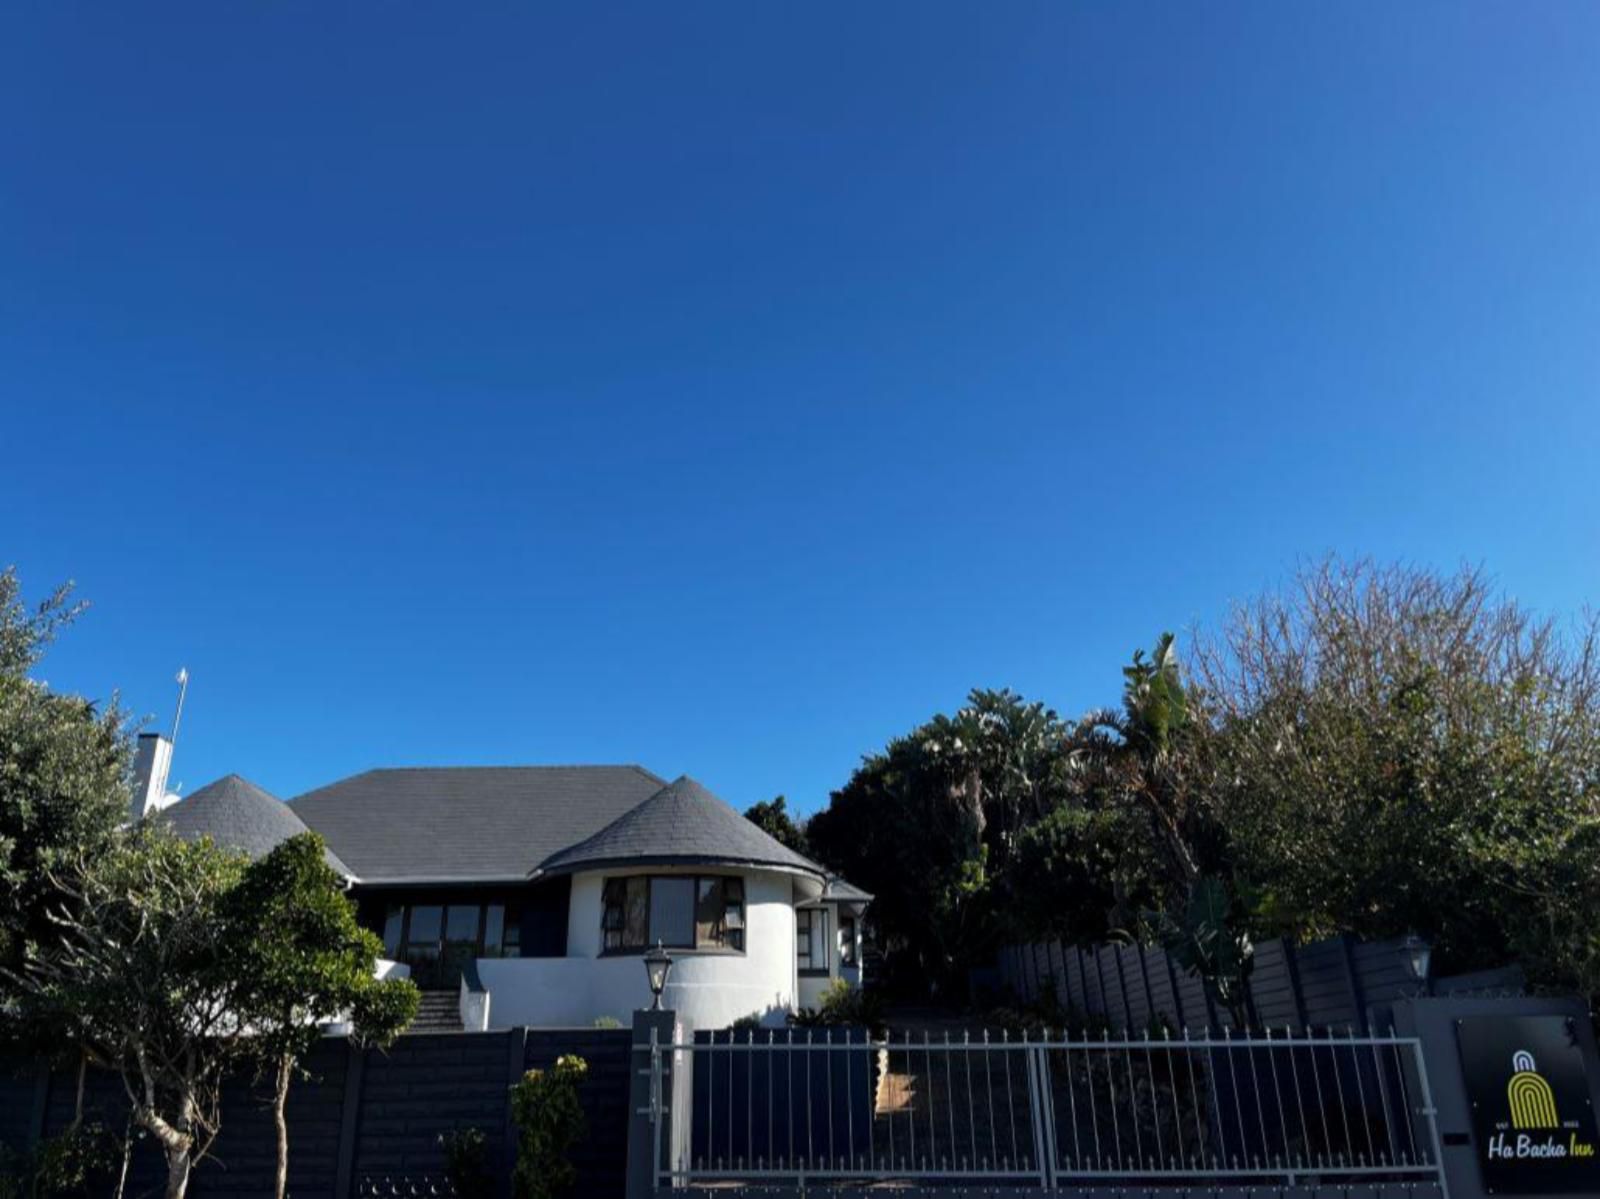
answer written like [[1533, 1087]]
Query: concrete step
[[439, 1011]]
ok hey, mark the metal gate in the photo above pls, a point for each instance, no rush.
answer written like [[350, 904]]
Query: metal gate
[[826, 1107]]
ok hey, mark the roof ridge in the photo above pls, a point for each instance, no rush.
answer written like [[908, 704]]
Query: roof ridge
[[651, 775], [508, 766]]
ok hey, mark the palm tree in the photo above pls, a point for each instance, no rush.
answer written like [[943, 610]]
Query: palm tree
[[1143, 755]]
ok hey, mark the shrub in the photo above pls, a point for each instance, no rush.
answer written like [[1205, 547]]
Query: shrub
[[466, 1163], [549, 1120], [80, 1161], [842, 1004], [607, 1022]]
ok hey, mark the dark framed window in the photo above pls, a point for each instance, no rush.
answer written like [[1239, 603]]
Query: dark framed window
[[435, 939], [811, 940], [847, 940], [681, 911]]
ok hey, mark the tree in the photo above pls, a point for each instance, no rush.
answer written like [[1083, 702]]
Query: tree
[[1084, 873], [1148, 756], [1400, 749], [931, 822], [137, 977], [1146, 767], [64, 765], [298, 959], [772, 817]]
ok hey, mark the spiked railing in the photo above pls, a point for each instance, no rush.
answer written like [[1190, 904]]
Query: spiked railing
[[1041, 1108]]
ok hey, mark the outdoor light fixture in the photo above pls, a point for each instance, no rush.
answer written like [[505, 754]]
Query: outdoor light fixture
[[657, 964], [1418, 956]]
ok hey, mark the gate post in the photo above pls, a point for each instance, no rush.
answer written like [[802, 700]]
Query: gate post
[[658, 1089], [1467, 1089]]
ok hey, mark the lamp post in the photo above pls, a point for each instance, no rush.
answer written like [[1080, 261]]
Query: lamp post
[[657, 965]]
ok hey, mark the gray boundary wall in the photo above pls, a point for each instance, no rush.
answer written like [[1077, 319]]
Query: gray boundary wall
[[365, 1122], [1326, 984]]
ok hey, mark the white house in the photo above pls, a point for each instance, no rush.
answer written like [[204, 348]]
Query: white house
[[529, 895]]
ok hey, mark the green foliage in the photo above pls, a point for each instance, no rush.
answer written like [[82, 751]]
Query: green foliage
[[1083, 874], [842, 1005], [607, 1022], [466, 1163], [1402, 750], [930, 823], [300, 958], [772, 816], [63, 771], [1374, 751], [550, 1121], [1209, 937], [137, 977], [81, 1161]]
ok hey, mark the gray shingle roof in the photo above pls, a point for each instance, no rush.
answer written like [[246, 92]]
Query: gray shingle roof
[[237, 814], [843, 892], [439, 824], [682, 822]]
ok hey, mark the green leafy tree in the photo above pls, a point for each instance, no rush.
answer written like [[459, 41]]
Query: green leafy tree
[[1084, 873], [772, 817], [931, 823], [64, 765], [299, 959], [137, 976]]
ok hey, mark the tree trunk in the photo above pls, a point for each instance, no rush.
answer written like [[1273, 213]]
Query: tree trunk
[[127, 1157], [280, 1101], [178, 1166], [77, 1105]]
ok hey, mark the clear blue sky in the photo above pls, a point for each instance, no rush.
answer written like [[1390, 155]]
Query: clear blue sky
[[727, 387]]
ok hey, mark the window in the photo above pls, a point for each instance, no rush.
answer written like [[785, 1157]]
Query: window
[[419, 933], [422, 933], [719, 913], [461, 925], [502, 931], [847, 940], [494, 930], [681, 911], [394, 921], [811, 940], [672, 912]]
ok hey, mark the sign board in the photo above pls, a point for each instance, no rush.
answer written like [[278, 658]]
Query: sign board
[[1533, 1119]]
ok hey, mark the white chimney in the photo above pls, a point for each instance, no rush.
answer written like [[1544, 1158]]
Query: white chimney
[[151, 761]]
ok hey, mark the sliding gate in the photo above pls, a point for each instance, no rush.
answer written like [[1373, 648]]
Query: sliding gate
[[819, 1108]]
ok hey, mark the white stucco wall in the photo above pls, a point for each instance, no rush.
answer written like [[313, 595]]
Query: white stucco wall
[[712, 990]]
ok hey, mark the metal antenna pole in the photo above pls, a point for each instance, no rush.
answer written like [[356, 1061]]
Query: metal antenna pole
[[183, 689]]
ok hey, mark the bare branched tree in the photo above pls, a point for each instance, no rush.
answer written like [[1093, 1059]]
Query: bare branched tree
[[1400, 748]]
